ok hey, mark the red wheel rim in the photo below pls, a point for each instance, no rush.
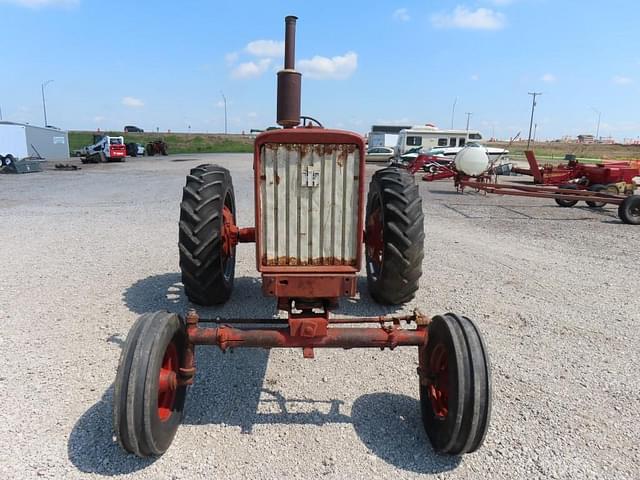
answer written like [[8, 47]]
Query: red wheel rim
[[375, 239], [228, 231], [229, 241], [439, 375], [168, 382]]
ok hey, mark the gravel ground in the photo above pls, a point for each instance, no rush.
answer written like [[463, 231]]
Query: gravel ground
[[554, 290]]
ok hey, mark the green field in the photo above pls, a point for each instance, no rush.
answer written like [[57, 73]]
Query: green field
[[178, 142]]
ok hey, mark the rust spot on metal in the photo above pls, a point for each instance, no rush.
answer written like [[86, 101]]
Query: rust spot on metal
[[342, 155], [318, 261]]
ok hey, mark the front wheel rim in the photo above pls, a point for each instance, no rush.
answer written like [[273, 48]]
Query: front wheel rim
[[168, 382], [438, 389]]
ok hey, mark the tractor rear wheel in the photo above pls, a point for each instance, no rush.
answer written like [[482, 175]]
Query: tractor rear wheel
[[566, 203], [629, 210], [394, 236], [596, 188], [455, 385], [148, 401], [207, 252]]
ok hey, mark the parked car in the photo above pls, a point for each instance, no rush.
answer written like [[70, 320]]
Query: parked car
[[133, 129], [379, 154]]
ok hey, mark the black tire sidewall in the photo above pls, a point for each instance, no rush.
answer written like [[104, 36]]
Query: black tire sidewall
[[566, 203], [403, 244], [624, 210], [439, 430], [374, 201], [160, 434]]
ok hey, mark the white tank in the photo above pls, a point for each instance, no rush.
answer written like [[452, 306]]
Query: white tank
[[472, 161]]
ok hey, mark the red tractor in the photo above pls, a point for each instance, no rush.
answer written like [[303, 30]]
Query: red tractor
[[312, 234]]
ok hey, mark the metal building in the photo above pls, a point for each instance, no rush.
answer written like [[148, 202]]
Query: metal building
[[23, 140]]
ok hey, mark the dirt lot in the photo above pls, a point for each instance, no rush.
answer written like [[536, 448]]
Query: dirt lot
[[554, 290]]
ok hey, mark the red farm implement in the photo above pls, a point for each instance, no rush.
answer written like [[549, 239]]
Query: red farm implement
[[313, 231], [597, 185]]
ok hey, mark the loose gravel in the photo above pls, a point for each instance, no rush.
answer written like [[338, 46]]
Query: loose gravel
[[554, 290]]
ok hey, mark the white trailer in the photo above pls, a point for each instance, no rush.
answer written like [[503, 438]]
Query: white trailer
[[24, 141], [426, 137]]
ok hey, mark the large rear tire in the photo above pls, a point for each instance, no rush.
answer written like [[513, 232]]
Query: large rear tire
[[207, 259], [455, 385], [148, 402], [394, 236]]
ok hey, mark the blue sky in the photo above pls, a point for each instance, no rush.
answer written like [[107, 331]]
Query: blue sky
[[157, 64]]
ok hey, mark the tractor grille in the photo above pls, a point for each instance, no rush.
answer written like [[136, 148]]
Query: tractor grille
[[309, 204]]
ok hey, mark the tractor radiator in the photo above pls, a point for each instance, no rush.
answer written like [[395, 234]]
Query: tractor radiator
[[309, 204]]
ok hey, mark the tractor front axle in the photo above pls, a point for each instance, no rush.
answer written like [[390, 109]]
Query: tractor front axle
[[306, 332]]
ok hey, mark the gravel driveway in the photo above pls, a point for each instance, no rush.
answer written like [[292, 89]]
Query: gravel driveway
[[554, 290]]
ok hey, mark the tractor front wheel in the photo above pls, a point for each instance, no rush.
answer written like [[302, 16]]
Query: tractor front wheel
[[207, 251], [148, 401], [394, 236], [455, 385]]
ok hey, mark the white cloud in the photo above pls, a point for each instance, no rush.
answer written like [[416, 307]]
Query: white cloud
[[251, 69], [231, 58], [475, 77], [462, 17], [42, 3], [621, 80], [339, 67], [132, 102], [265, 48], [401, 15], [548, 78]]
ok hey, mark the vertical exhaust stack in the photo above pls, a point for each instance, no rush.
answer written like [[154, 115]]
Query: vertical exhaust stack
[[289, 81]]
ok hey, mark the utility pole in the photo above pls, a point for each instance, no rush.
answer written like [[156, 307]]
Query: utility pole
[[598, 126], [533, 107], [224, 99], [453, 111], [535, 130], [468, 114], [44, 103], [0, 113]]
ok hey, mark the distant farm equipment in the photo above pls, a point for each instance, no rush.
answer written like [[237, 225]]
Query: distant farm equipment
[[157, 147], [596, 184], [104, 149]]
